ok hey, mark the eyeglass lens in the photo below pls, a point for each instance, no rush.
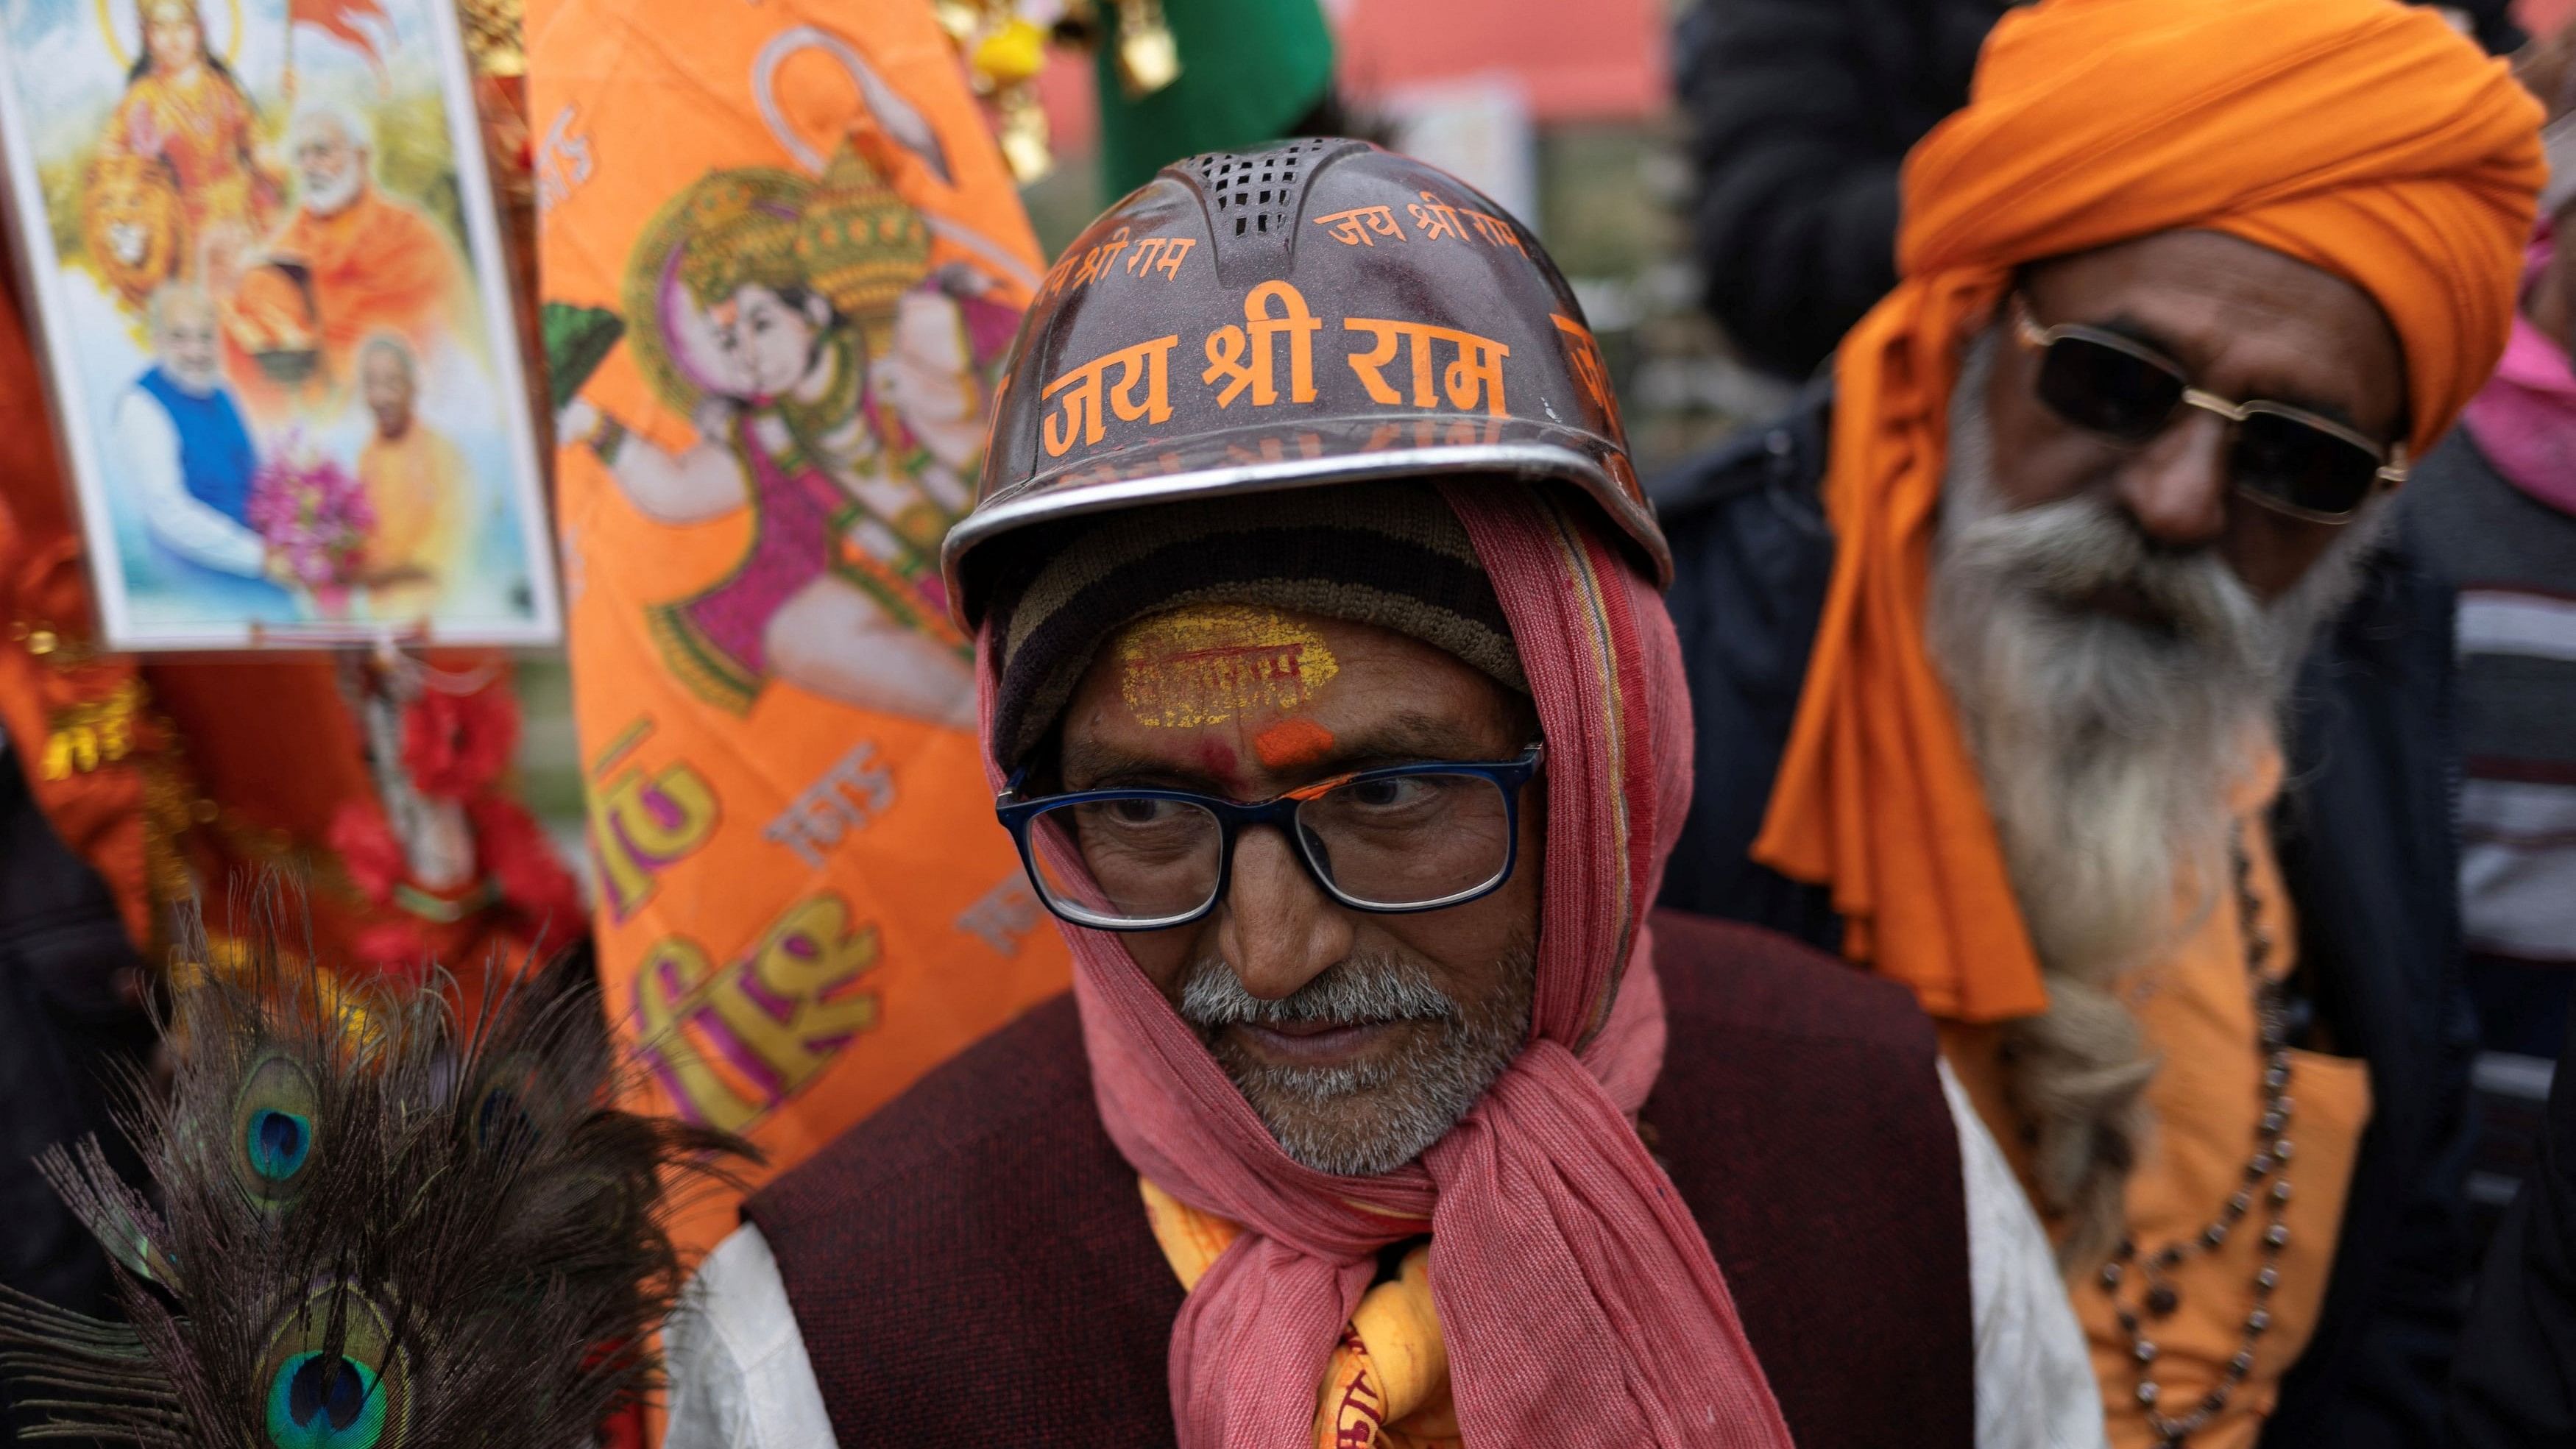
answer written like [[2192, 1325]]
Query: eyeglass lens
[[2125, 396], [1147, 860], [1399, 841]]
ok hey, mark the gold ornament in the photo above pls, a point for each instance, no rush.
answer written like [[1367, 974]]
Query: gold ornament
[[1148, 58], [494, 35], [962, 19], [858, 243], [1027, 144], [148, 11], [1004, 52], [738, 237], [84, 737]]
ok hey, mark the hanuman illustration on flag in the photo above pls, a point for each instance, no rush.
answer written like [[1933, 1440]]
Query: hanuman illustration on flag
[[836, 384]]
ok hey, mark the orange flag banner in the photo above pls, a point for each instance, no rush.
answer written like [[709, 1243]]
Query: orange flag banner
[[780, 260], [357, 24]]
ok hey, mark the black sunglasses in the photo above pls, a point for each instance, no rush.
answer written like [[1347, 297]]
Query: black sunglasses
[[2287, 459]]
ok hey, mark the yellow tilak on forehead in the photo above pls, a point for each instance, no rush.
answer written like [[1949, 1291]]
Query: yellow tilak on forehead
[[1207, 663]]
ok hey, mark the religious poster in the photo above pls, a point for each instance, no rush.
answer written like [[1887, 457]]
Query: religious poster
[[262, 257], [781, 259]]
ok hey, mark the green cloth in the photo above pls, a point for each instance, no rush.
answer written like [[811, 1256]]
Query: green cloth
[[1250, 69], [578, 340]]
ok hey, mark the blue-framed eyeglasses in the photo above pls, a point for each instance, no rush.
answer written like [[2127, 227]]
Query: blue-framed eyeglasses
[[1417, 837]]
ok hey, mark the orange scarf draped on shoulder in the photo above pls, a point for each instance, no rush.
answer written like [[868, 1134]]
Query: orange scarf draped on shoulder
[[2362, 137]]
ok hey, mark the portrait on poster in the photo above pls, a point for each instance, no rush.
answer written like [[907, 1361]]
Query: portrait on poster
[[266, 272]]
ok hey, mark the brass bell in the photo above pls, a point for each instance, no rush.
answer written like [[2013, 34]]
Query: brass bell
[[960, 18], [1148, 58], [1026, 143]]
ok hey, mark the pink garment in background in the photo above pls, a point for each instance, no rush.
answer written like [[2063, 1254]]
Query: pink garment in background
[[2543, 17], [1578, 1300], [2524, 419]]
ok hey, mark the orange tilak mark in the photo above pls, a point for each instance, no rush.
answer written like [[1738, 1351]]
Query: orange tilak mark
[[1292, 742]]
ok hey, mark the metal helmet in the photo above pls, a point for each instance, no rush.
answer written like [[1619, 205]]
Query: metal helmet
[[1320, 311]]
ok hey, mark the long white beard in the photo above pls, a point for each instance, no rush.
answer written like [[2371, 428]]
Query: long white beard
[[336, 197], [2109, 747]]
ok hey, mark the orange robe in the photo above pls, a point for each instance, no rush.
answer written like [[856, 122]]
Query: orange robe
[[417, 486], [2206, 1096], [376, 265]]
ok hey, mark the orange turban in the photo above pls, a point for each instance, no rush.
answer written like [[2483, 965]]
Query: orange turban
[[2362, 137]]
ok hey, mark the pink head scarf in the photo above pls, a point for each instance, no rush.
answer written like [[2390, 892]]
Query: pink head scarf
[[2525, 418], [1577, 1298]]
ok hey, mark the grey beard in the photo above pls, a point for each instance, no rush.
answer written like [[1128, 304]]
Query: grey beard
[[2107, 745], [1370, 1118], [2108, 748]]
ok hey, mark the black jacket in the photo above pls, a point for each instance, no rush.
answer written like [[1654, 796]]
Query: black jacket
[[2367, 849], [67, 1038], [2516, 1381], [1800, 112]]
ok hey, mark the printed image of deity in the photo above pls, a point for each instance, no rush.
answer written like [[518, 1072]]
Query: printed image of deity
[[265, 277], [177, 178], [836, 382]]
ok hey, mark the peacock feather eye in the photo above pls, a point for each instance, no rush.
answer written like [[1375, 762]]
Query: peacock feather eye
[[499, 1115], [274, 1126], [325, 1401], [332, 1377], [278, 1142]]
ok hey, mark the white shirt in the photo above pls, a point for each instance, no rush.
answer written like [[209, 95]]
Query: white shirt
[[148, 443], [741, 1379]]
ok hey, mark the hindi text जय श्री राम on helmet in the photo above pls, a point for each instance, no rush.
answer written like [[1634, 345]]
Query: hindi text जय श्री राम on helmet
[[1321, 311]]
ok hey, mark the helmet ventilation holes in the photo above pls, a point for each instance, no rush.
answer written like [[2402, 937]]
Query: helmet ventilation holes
[[1257, 193]]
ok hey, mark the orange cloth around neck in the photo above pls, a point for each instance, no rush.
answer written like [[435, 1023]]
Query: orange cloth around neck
[[1386, 1385], [2206, 1097], [2364, 138]]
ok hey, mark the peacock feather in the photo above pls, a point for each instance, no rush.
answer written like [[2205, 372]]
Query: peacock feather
[[381, 1217]]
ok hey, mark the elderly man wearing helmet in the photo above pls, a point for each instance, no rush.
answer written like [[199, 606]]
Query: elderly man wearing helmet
[[1327, 691]]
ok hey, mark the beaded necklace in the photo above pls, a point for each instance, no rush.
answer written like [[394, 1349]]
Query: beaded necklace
[[2266, 1180]]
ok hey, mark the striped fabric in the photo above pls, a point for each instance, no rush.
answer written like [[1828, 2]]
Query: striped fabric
[[2518, 863], [2513, 558], [2517, 723]]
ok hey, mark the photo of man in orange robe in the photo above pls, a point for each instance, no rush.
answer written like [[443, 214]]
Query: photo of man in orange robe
[[350, 261]]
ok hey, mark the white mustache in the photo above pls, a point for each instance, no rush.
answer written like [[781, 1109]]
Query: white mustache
[[1361, 989], [332, 197]]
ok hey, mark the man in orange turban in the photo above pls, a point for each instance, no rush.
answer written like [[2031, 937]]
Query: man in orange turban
[[2004, 647]]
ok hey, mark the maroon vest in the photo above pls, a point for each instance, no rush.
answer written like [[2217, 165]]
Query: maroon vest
[[971, 1265]]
